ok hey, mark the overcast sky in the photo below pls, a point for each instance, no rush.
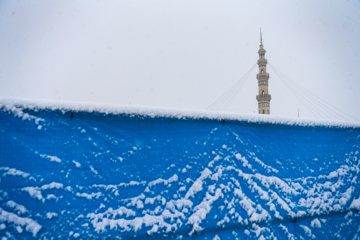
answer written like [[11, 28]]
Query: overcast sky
[[179, 54]]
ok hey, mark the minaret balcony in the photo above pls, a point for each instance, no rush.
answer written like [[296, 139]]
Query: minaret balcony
[[262, 76], [263, 98], [262, 62], [261, 50]]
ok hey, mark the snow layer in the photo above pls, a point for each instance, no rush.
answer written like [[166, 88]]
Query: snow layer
[[16, 106]]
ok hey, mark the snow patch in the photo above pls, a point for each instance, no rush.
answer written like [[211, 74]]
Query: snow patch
[[20, 209], [14, 172], [307, 231], [197, 185], [50, 215], [174, 178], [51, 158], [89, 196], [202, 210], [20, 222], [315, 223], [355, 204], [77, 164]]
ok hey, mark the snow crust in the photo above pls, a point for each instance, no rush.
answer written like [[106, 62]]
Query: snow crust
[[16, 106]]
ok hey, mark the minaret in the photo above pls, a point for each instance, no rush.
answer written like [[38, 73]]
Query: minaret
[[263, 82]]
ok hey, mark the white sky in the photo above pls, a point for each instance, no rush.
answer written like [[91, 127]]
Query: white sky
[[179, 54]]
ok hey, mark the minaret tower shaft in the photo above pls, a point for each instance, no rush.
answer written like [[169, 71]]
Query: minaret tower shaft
[[263, 82]]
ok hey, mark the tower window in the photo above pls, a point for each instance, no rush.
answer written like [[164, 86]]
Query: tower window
[[263, 111], [263, 93]]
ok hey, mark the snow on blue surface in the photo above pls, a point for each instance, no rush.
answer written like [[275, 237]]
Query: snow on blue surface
[[71, 172]]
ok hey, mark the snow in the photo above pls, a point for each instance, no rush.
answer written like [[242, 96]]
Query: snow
[[268, 168], [197, 185], [51, 186], [89, 196], [355, 204], [202, 210], [35, 192], [216, 237], [77, 164], [174, 178], [243, 160], [307, 231], [50, 215], [286, 230], [16, 106], [315, 223], [20, 209], [132, 225], [14, 172], [2, 226], [51, 158], [20, 222], [94, 170]]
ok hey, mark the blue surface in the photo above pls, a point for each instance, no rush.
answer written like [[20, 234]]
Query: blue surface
[[96, 175]]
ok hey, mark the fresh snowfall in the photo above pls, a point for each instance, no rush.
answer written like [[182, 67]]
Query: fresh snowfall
[[89, 171]]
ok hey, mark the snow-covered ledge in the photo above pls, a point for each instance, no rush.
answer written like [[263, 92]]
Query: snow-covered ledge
[[107, 108]]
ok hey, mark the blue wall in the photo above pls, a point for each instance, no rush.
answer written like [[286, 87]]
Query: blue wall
[[95, 175]]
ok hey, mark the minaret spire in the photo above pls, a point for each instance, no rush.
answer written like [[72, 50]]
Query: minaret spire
[[263, 82]]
